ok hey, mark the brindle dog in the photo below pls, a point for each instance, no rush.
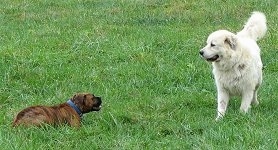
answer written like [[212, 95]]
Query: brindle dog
[[67, 113]]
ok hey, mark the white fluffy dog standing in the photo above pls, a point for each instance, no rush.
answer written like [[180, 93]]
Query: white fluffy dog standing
[[236, 61]]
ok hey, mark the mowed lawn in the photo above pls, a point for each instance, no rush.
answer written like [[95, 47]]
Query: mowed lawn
[[141, 57]]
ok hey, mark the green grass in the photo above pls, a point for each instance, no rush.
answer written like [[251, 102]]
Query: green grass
[[141, 57]]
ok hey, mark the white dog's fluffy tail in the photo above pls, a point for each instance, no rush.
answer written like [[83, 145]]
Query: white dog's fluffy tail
[[255, 28]]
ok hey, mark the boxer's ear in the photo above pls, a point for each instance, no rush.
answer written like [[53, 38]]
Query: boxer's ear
[[77, 97], [74, 96]]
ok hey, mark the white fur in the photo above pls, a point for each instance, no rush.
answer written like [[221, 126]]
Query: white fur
[[236, 61]]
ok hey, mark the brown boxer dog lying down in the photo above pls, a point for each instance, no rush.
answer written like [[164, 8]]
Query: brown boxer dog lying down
[[67, 113]]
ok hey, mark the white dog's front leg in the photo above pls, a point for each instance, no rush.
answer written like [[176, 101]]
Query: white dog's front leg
[[247, 98], [222, 100]]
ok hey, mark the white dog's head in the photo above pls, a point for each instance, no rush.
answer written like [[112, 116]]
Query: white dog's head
[[221, 45]]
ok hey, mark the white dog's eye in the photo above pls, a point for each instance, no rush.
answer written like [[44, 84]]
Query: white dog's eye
[[212, 44]]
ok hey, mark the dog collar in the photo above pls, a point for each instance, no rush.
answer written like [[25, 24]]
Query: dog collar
[[75, 107]]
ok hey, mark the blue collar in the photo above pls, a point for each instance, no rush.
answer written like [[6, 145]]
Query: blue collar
[[75, 107]]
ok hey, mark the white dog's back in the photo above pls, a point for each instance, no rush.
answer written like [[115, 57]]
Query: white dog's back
[[255, 28]]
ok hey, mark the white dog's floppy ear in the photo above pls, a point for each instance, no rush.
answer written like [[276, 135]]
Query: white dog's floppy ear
[[231, 41]]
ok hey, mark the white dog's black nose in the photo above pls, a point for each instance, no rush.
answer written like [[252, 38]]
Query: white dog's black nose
[[201, 53]]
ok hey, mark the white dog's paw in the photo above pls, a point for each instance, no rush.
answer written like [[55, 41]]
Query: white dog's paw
[[245, 109], [219, 116], [255, 102]]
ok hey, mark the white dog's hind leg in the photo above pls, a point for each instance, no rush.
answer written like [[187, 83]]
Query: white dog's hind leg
[[247, 98], [223, 100], [255, 100]]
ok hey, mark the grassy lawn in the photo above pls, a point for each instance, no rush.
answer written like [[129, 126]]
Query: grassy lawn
[[141, 57]]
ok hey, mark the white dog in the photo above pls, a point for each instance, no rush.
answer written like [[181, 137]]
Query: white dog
[[236, 61]]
